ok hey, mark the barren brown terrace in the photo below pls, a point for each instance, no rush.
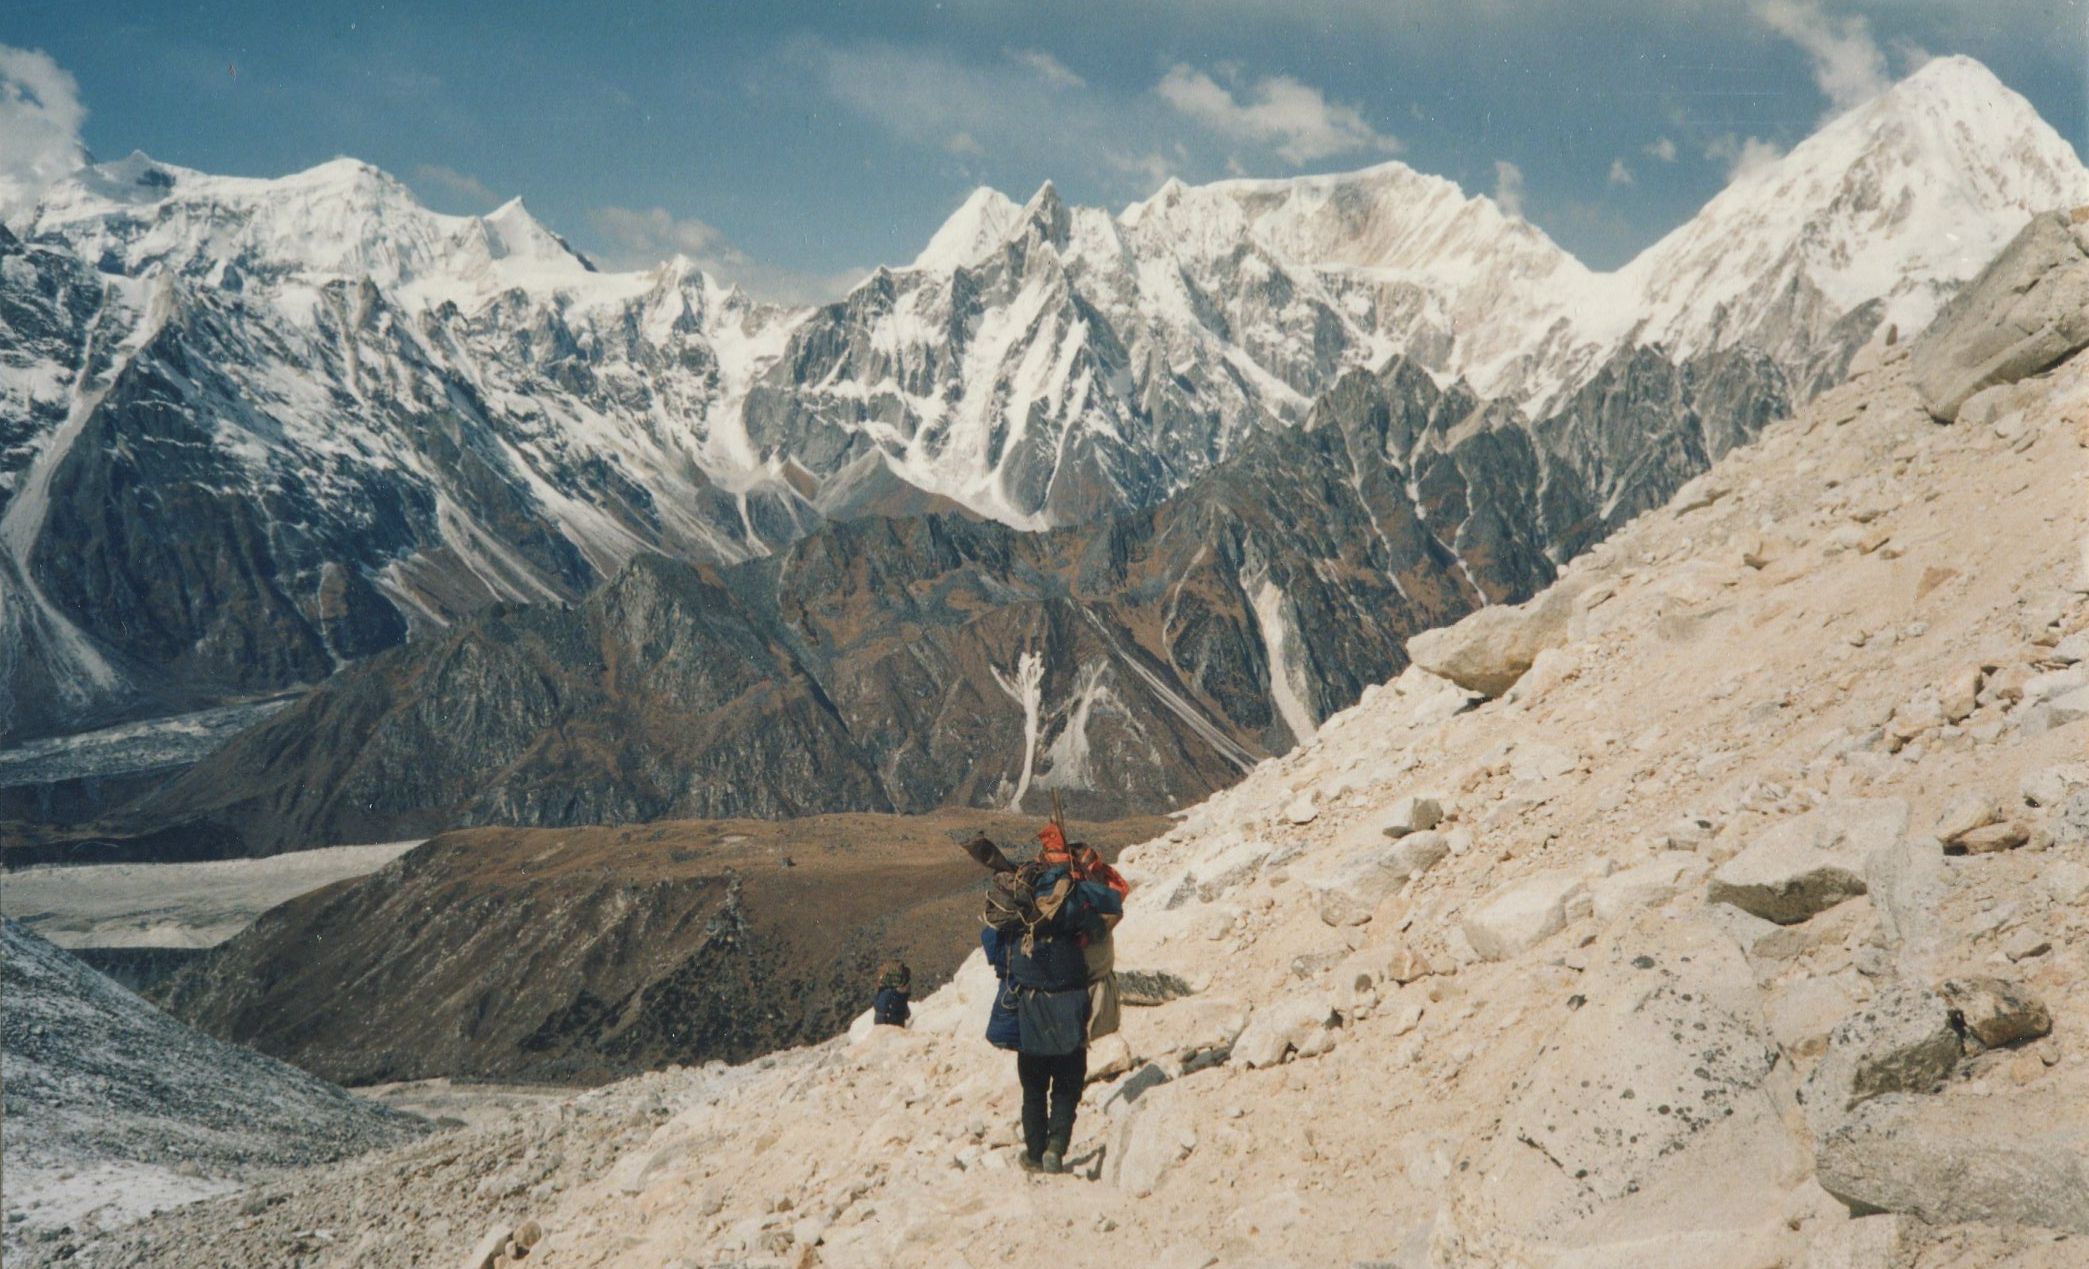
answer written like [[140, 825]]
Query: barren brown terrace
[[584, 954]]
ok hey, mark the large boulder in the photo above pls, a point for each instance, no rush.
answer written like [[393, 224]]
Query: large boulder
[[1811, 862], [1903, 1042], [1657, 1094], [2005, 1158], [1352, 890], [1490, 649], [2027, 311], [1522, 914]]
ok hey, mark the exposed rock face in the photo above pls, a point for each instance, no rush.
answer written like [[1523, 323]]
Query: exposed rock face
[[587, 954], [881, 664], [2027, 311]]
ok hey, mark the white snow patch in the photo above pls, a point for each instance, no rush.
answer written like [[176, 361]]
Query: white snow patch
[[1267, 601]]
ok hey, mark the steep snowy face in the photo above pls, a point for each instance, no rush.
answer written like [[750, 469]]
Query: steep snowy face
[[1040, 362], [1882, 213], [1449, 280], [355, 416]]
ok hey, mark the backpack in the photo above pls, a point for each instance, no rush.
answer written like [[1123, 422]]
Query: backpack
[[1029, 898]]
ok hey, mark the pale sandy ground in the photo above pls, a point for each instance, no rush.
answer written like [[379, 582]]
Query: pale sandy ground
[[1624, 1091], [175, 905], [472, 1104]]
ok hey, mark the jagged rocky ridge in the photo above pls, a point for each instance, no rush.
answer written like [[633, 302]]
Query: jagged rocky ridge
[[257, 429], [1143, 660]]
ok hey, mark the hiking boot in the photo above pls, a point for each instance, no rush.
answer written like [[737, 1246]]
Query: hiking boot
[[1054, 1162], [1030, 1162]]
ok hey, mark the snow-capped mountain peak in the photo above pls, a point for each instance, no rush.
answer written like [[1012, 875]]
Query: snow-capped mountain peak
[[1895, 201], [977, 228]]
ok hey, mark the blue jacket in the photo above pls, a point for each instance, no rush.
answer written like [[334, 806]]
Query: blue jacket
[[890, 1007], [1002, 1029]]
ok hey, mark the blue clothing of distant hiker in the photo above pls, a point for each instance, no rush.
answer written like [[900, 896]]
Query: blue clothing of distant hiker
[[890, 1008]]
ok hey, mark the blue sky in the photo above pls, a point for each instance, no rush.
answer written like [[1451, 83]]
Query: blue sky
[[791, 145]]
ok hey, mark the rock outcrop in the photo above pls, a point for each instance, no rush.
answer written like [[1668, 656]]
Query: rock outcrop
[[2024, 313]]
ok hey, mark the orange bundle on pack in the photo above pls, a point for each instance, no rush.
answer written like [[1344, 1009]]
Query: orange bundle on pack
[[1085, 862]]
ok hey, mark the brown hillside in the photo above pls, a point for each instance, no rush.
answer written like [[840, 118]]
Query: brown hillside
[[584, 954]]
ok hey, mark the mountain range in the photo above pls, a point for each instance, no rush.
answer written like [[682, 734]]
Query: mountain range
[[1205, 461]]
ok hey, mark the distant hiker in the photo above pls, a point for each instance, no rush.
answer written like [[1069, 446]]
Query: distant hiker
[[895, 980], [1038, 917]]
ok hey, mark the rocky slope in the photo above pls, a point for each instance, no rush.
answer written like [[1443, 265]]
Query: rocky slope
[[1745, 926], [588, 954], [115, 1110], [325, 417]]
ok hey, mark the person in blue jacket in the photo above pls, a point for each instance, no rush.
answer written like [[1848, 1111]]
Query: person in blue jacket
[[890, 1008], [1040, 1010]]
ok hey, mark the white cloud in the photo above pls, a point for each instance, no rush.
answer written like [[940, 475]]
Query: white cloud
[[1152, 168], [632, 238], [40, 118], [964, 145], [1662, 149], [1047, 68], [1620, 174], [1508, 187], [652, 235], [459, 185], [1847, 64], [1296, 120], [1740, 155], [1911, 56]]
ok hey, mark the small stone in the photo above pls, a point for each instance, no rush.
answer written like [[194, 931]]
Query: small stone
[[1964, 813], [1960, 694], [2067, 708], [1303, 809], [2025, 944], [1294, 1023], [2067, 881], [1537, 761], [1411, 814], [2049, 786], [1996, 1012], [1988, 839]]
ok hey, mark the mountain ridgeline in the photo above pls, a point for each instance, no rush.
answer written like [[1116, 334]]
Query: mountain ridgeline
[[1140, 661], [1170, 484]]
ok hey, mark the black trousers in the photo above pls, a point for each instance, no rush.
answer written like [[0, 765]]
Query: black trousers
[[1060, 1077]]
